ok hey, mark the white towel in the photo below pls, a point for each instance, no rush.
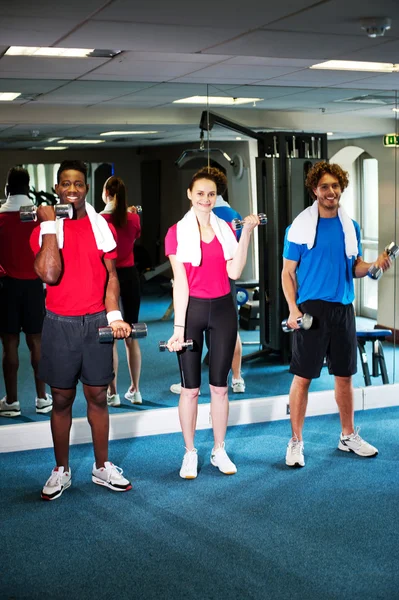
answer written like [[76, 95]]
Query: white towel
[[303, 229], [109, 208], [102, 233], [14, 203], [189, 239]]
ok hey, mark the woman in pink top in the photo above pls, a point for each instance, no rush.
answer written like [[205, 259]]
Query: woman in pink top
[[204, 254], [128, 229]]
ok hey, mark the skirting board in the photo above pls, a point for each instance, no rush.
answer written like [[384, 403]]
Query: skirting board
[[31, 436]]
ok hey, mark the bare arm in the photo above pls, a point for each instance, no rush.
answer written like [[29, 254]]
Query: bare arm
[[180, 302], [235, 265], [48, 264], [289, 284], [360, 267], [119, 327]]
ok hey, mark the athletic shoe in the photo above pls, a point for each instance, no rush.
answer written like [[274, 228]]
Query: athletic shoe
[[220, 460], [44, 405], [111, 477], [134, 397], [113, 400], [175, 388], [9, 410], [238, 385], [294, 456], [58, 481], [354, 443], [189, 467]]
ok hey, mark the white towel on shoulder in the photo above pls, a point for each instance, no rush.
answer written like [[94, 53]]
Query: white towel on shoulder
[[14, 203], [189, 238], [104, 239], [303, 229]]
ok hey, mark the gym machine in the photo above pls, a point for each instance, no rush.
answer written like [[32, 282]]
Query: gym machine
[[284, 159]]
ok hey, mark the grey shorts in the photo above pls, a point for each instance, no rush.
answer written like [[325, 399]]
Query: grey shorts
[[71, 351]]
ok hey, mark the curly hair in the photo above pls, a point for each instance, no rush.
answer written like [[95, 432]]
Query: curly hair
[[321, 168], [213, 174]]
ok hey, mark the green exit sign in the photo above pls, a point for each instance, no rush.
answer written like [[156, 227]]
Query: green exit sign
[[392, 139]]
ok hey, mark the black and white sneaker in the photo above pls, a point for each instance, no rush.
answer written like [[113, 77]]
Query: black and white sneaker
[[58, 481], [9, 410], [111, 477], [354, 443]]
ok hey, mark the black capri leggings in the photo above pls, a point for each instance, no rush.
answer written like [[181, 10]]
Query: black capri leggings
[[129, 283], [218, 317]]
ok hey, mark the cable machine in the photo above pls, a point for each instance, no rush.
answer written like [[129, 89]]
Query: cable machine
[[284, 159]]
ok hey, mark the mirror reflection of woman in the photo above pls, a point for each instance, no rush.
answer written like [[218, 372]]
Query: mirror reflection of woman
[[204, 254], [128, 229]]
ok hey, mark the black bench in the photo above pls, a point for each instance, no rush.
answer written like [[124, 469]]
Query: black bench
[[375, 336]]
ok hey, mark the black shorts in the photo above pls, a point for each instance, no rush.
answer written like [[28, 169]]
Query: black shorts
[[129, 283], [216, 317], [21, 305], [70, 351], [332, 335]]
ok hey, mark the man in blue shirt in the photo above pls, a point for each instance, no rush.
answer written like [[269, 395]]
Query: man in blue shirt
[[322, 254]]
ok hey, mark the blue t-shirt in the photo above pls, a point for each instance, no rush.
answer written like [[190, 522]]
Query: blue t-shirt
[[228, 214], [324, 272]]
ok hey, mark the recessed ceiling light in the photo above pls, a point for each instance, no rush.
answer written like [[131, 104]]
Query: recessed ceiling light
[[8, 96], [53, 139], [238, 138], [395, 109], [55, 148], [127, 132], [227, 101], [330, 133], [352, 65], [80, 141], [59, 52]]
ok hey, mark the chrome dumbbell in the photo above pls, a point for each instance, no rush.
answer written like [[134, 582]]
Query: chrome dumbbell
[[139, 330], [189, 344], [304, 322], [238, 223], [62, 211], [392, 250]]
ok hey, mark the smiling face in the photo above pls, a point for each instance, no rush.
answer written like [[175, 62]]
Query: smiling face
[[328, 193], [203, 195], [72, 188]]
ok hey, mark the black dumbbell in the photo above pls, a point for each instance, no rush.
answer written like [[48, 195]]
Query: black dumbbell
[[28, 213], [392, 250], [139, 330], [304, 322], [238, 223], [189, 344]]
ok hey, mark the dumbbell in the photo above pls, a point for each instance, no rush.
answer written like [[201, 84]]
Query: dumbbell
[[304, 322], [139, 209], [392, 250], [238, 223], [189, 344], [28, 213], [139, 330]]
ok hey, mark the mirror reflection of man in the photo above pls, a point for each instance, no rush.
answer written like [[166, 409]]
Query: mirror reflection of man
[[21, 295], [76, 258], [322, 255]]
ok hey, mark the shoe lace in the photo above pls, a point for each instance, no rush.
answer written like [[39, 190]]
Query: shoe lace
[[54, 479], [296, 446], [190, 456], [355, 436], [115, 471]]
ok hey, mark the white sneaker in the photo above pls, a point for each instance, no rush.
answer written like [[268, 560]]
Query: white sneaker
[[175, 388], [9, 410], [111, 477], [238, 385], [220, 460], [189, 467], [113, 399], [294, 456], [134, 397], [354, 443], [44, 405], [58, 481]]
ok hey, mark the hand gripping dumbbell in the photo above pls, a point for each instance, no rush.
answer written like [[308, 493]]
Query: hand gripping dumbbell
[[189, 344], [304, 322], [106, 334], [238, 223], [392, 250], [28, 213]]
